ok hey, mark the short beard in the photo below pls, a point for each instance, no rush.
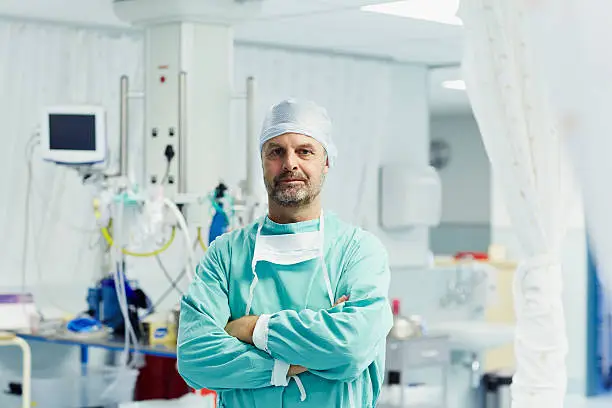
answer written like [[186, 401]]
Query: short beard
[[289, 197]]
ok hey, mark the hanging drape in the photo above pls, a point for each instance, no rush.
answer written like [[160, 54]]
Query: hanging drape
[[509, 90], [580, 65]]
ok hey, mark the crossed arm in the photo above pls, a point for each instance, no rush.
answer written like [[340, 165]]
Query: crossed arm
[[336, 344], [244, 328]]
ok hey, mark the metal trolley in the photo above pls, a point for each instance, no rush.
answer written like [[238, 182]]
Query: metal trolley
[[411, 355]]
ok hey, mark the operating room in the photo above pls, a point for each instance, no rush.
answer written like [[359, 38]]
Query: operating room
[[470, 145]]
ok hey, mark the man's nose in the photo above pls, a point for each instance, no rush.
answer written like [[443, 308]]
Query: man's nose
[[290, 162]]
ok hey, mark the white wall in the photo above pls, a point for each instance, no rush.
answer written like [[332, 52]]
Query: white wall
[[467, 178], [466, 187], [404, 139]]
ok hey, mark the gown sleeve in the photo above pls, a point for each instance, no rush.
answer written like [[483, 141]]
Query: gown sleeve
[[207, 356]]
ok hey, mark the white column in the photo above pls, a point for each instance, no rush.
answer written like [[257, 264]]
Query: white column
[[204, 52]]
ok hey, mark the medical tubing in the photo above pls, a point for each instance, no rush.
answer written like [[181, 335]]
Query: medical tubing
[[201, 240], [183, 225], [198, 241], [116, 261], [121, 298], [121, 272], [126, 306], [110, 241], [174, 281], [120, 288], [128, 329], [119, 281]]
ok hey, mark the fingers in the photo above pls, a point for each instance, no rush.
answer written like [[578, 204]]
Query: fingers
[[295, 370], [341, 300]]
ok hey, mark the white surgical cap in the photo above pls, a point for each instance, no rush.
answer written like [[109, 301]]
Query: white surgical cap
[[305, 118]]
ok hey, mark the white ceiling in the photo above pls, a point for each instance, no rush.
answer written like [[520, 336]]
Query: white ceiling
[[358, 32], [331, 25]]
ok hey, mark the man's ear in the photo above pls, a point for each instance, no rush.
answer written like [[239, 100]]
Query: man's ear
[[326, 168]]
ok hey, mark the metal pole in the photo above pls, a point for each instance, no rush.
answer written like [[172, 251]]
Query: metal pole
[[10, 339], [123, 127], [182, 134], [250, 136]]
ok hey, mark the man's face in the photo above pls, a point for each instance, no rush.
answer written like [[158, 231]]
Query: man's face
[[294, 168]]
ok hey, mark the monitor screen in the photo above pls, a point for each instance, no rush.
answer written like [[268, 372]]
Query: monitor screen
[[72, 132]]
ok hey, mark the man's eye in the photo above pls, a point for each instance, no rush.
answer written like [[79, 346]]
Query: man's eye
[[305, 151], [275, 152]]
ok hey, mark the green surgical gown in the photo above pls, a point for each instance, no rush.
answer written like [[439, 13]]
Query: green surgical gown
[[339, 345]]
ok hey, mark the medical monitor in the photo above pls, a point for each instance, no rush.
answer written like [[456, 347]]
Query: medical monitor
[[74, 135]]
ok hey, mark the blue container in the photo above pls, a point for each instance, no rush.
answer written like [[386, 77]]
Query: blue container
[[218, 226]]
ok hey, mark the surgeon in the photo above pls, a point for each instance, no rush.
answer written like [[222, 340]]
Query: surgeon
[[291, 311]]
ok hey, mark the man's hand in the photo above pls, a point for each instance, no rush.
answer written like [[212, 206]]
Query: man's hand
[[243, 328], [341, 300], [295, 370]]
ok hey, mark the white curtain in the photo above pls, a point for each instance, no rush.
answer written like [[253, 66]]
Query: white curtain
[[506, 72], [581, 63]]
